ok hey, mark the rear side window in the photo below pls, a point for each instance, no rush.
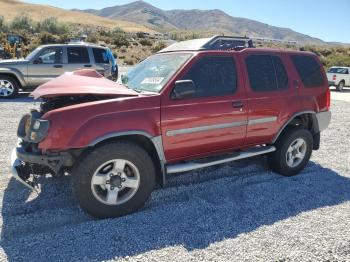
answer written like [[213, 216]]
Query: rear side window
[[213, 76], [100, 55], [266, 73], [78, 55], [309, 70]]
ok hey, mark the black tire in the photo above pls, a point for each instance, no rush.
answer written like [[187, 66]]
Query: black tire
[[14, 84], [83, 172], [278, 159], [340, 86]]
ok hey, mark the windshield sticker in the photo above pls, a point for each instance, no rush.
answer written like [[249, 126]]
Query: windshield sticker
[[152, 80]]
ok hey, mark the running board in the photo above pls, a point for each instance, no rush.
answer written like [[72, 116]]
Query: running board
[[188, 166]]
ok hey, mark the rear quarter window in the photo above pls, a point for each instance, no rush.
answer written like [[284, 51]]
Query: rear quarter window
[[309, 70], [100, 55], [78, 55]]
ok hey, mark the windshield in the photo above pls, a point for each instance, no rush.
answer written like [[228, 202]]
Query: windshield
[[34, 53], [338, 70], [153, 73]]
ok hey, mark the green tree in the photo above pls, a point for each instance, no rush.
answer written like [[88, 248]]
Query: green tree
[[120, 40], [118, 30], [53, 26], [93, 38], [47, 38], [22, 23]]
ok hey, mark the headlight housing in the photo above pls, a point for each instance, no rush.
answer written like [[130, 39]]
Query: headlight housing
[[33, 129]]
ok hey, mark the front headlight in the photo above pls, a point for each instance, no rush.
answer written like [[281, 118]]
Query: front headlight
[[32, 129], [39, 130]]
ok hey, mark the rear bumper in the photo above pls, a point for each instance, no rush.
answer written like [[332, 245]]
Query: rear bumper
[[323, 119]]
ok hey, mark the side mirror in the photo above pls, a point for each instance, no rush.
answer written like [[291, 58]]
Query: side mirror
[[183, 89]]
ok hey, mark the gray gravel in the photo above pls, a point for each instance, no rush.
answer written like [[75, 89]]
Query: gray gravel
[[235, 212]]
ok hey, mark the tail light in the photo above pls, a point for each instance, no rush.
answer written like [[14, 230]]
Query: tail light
[[334, 77], [328, 99]]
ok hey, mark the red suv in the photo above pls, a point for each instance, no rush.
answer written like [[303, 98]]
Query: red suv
[[195, 104]]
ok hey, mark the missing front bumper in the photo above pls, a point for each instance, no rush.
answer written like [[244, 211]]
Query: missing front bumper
[[27, 167], [15, 166]]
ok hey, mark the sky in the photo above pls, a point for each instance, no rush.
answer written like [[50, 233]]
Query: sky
[[325, 19]]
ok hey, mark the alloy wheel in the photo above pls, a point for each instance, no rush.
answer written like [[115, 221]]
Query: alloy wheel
[[296, 152], [115, 182], [6, 88]]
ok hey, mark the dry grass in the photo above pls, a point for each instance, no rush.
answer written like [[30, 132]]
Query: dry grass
[[11, 8]]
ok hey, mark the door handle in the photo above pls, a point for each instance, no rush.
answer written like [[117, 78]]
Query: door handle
[[57, 66], [237, 104], [87, 65]]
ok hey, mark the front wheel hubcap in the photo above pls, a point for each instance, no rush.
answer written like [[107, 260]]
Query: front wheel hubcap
[[296, 152], [6, 88], [115, 182]]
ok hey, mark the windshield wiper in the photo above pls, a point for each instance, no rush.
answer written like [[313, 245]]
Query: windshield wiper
[[143, 91]]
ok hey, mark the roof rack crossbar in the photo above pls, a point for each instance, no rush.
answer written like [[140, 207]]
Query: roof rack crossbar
[[228, 43], [214, 43]]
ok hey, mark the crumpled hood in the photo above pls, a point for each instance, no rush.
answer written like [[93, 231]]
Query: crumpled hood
[[13, 62], [81, 82]]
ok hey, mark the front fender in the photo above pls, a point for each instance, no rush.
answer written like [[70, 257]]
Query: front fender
[[83, 125], [103, 127], [15, 73]]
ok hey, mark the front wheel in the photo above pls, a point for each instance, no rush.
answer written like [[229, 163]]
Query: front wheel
[[114, 180], [294, 149], [8, 87]]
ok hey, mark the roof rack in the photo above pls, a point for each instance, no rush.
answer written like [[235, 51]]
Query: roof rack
[[214, 43], [228, 42]]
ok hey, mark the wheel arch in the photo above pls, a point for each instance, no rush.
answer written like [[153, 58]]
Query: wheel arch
[[306, 119], [152, 145], [14, 75]]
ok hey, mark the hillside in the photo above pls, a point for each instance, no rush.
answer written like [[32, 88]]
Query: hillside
[[11, 8], [138, 12], [194, 20]]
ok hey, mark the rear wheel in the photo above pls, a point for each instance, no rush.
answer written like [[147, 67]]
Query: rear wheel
[[8, 87], [294, 149], [340, 86], [114, 180]]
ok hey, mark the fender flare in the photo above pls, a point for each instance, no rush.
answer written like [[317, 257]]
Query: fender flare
[[15, 73], [314, 122], [155, 140]]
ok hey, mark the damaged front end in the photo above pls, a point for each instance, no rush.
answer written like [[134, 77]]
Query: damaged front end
[[80, 87], [27, 160]]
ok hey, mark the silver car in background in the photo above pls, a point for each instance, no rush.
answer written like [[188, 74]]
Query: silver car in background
[[49, 61]]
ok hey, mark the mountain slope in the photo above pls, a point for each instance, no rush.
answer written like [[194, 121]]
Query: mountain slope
[[138, 12], [214, 20], [11, 8], [204, 20]]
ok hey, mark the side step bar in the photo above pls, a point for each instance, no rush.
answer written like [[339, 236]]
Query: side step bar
[[188, 166]]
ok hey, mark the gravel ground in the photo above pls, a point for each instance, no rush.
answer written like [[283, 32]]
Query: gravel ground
[[235, 212]]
